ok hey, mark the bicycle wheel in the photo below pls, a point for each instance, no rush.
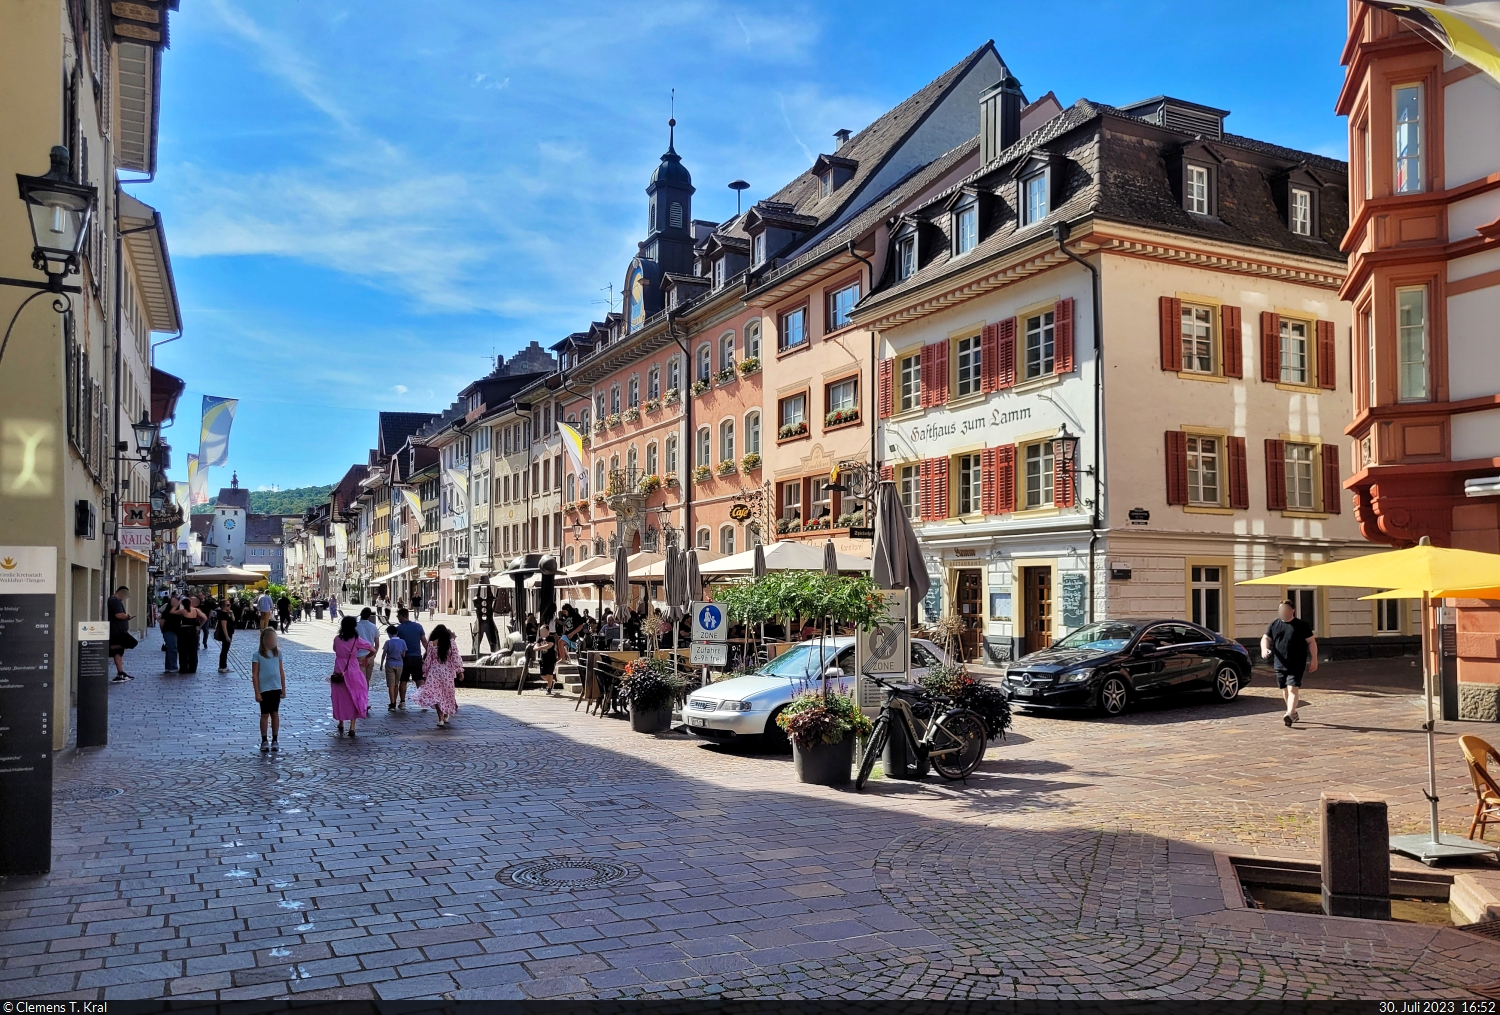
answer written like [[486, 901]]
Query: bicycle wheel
[[873, 748], [967, 730]]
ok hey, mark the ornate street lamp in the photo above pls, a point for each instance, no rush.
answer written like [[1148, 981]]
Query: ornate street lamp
[[145, 435]]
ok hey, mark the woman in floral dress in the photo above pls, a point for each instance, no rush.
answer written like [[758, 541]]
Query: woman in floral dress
[[349, 688], [441, 668]]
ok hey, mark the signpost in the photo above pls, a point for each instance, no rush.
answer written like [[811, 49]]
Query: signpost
[[93, 683], [28, 606], [885, 649], [710, 645]]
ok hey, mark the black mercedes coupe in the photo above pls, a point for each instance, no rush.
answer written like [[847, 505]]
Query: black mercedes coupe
[[1108, 664]]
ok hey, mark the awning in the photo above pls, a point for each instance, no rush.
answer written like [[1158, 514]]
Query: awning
[[397, 573], [137, 554]]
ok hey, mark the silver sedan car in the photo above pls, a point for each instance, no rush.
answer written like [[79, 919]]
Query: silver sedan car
[[742, 708]]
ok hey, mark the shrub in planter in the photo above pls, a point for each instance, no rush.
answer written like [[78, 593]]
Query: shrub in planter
[[988, 700], [749, 365], [750, 462], [649, 484], [702, 474], [650, 688], [813, 719], [726, 375], [792, 430], [700, 386], [727, 468], [631, 415]]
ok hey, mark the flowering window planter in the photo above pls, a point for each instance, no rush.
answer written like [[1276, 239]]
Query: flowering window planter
[[613, 419], [818, 524], [727, 468], [750, 366], [587, 441], [784, 526], [631, 415], [700, 387], [750, 462], [792, 430], [672, 397], [600, 425], [840, 417], [702, 474], [726, 376], [670, 479], [599, 499], [653, 405], [649, 484]]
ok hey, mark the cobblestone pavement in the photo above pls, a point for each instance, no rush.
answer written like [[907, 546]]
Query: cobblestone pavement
[[404, 863]]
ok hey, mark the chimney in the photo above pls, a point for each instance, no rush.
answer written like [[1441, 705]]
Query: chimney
[[842, 135], [999, 119]]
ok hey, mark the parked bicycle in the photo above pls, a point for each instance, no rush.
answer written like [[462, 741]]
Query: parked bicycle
[[953, 739]]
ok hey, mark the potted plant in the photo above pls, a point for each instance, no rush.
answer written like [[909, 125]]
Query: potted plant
[[727, 467], [750, 462], [954, 681], [650, 688], [749, 365], [823, 732], [632, 414], [726, 375], [700, 386], [702, 474]]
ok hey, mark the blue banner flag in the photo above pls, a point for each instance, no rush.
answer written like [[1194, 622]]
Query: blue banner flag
[[213, 440]]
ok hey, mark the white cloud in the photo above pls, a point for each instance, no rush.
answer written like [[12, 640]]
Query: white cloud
[[400, 389]]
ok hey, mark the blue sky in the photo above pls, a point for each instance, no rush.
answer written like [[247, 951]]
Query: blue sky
[[364, 200]]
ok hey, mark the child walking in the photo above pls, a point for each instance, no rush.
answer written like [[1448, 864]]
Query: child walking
[[268, 677], [392, 662]]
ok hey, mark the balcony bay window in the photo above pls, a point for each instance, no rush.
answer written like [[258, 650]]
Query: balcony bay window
[[1411, 343], [1408, 139]]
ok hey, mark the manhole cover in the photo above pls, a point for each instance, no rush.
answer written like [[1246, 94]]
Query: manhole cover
[[557, 875], [81, 794]]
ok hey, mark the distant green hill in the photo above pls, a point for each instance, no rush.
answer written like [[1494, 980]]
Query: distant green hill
[[278, 502]]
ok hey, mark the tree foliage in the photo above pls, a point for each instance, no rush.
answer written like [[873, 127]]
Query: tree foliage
[[838, 599]]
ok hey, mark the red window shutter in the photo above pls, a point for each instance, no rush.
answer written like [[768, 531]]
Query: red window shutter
[[887, 379], [1171, 334], [1177, 482], [938, 353], [1005, 479], [989, 500], [1328, 363], [1270, 346], [1234, 355], [1239, 475], [924, 488], [1062, 336], [887, 473], [1333, 488], [940, 488], [1275, 475], [1005, 376], [989, 358], [1063, 487]]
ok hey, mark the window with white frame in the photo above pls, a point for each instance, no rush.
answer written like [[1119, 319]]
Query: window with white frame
[[909, 481], [1388, 616], [1038, 459], [906, 257], [965, 229], [752, 340], [705, 364], [843, 395], [674, 373], [793, 410], [599, 484], [632, 461], [1204, 485], [1197, 190], [571, 488], [970, 483], [634, 393], [1408, 139], [705, 446], [1301, 474], [1411, 342], [1207, 588], [910, 382], [726, 441], [1197, 339], [603, 406], [726, 351], [752, 432], [614, 398], [791, 501], [841, 305], [793, 328], [820, 498], [705, 538], [726, 539], [1040, 348], [653, 382], [719, 271], [653, 462], [671, 454], [1299, 211], [758, 249], [1034, 198], [1367, 322], [1295, 363], [967, 369]]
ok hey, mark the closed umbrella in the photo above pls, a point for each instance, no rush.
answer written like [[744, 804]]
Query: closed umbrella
[[758, 565], [830, 559], [674, 580], [896, 558], [1423, 570], [622, 582], [694, 578]]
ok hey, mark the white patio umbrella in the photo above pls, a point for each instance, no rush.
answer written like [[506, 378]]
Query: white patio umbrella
[[783, 555]]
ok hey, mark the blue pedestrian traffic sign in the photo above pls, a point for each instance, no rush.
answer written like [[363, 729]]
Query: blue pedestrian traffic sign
[[709, 623]]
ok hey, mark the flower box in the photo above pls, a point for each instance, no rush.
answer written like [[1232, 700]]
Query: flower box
[[613, 419], [631, 415], [653, 405], [649, 484], [791, 430], [702, 474], [750, 462], [727, 468], [670, 479], [749, 365], [672, 397], [700, 386], [726, 376], [599, 498], [587, 441], [599, 425], [840, 416]]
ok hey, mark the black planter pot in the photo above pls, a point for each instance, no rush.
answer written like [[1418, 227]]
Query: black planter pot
[[654, 721], [824, 764]]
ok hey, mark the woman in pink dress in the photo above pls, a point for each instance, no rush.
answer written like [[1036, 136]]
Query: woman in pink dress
[[351, 695], [440, 669]]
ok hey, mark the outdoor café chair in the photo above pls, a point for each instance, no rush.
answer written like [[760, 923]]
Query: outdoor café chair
[[1486, 790]]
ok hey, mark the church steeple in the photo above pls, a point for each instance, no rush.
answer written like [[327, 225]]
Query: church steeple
[[669, 240]]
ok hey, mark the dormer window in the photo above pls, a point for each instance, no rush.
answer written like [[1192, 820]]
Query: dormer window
[[1034, 203], [906, 257], [758, 249], [1299, 211], [1197, 190], [965, 229], [719, 272], [826, 181]]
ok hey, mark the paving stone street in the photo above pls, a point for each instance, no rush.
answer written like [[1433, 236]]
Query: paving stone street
[[1078, 862]]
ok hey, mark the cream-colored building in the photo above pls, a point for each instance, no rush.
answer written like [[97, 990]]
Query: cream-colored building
[[83, 76], [1056, 480]]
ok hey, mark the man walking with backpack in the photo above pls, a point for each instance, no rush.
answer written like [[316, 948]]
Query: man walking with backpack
[[1293, 649]]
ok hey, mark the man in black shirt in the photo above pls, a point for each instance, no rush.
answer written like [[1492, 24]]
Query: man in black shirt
[[1293, 649], [120, 638]]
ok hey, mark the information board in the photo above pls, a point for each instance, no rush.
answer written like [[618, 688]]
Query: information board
[[932, 603], [885, 649], [93, 683], [709, 653], [1074, 596], [28, 603]]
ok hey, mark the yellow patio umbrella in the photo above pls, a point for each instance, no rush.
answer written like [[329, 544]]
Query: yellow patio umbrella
[[1428, 572], [1491, 593]]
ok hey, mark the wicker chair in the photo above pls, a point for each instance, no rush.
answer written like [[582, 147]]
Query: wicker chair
[[1486, 789]]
